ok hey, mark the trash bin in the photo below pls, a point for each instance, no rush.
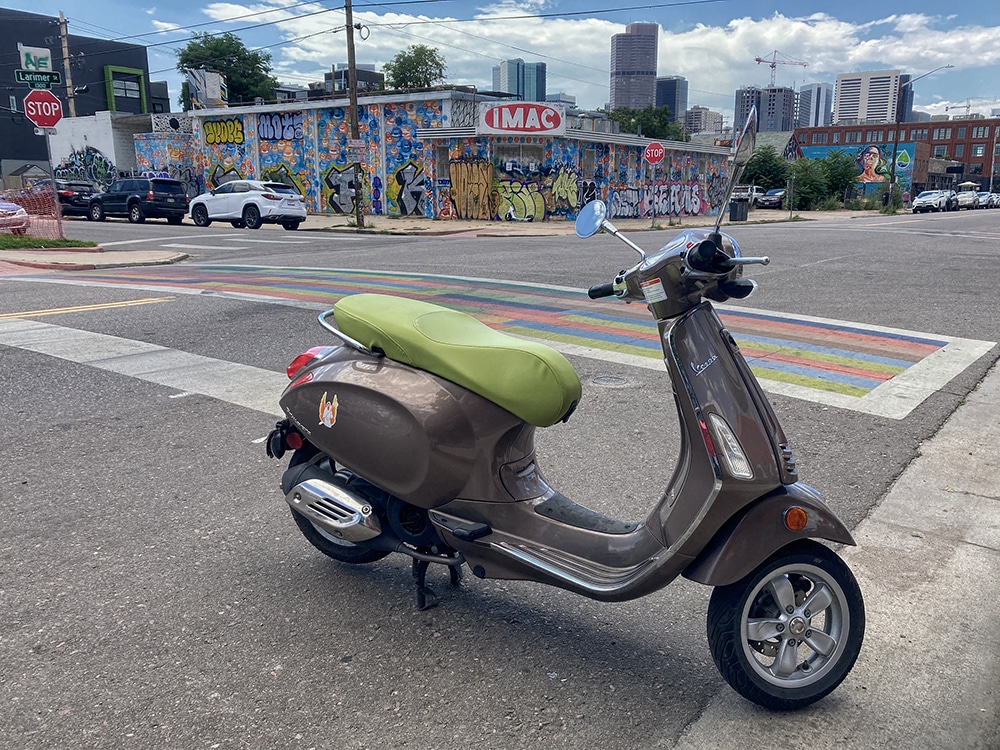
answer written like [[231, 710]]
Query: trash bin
[[739, 209]]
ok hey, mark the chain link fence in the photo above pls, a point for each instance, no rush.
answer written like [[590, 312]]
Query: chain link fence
[[33, 211]]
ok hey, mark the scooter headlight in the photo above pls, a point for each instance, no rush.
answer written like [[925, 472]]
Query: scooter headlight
[[729, 448]]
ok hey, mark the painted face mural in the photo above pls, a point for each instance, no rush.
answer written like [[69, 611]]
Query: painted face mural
[[872, 164]]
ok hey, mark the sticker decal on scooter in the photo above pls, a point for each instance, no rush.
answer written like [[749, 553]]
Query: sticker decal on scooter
[[653, 291], [699, 369], [328, 411]]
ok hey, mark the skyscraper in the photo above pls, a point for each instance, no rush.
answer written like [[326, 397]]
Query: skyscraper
[[672, 92], [526, 80], [702, 120], [633, 66], [747, 98], [777, 109], [872, 96], [815, 105]]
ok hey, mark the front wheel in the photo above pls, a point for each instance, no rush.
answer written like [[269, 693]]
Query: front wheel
[[199, 215], [96, 212], [788, 633]]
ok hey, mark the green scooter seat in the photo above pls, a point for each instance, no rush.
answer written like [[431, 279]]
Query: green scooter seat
[[529, 379]]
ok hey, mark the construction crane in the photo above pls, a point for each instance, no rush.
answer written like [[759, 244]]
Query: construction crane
[[969, 104], [774, 62]]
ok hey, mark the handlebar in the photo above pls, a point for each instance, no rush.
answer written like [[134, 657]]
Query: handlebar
[[601, 290], [708, 258]]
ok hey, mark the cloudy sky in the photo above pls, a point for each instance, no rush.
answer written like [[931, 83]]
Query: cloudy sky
[[713, 43]]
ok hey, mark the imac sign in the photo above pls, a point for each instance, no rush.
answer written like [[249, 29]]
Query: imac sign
[[523, 118]]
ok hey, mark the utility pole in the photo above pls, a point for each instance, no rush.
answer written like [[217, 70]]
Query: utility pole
[[67, 68], [359, 217]]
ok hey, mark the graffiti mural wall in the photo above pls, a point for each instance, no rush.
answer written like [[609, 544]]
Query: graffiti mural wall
[[228, 146], [874, 162], [169, 155], [335, 161], [406, 178], [285, 147]]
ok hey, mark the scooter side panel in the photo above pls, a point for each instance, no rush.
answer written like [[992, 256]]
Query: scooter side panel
[[404, 430]]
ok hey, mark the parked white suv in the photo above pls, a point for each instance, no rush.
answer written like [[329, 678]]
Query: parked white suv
[[930, 200], [250, 204], [748, 192]]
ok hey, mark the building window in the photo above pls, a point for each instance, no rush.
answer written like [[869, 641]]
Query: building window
[[961, 132], [836, 137], [996, 149], [978, 149], [442, 169], [919, 134], [975, 169], [586, 163], [980, 132], [942, 134], [959, 150], [820, 138], [520, 157], [940, 151], [852, 136], [126, 89]]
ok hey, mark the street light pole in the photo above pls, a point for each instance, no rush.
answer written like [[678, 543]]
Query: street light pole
[[895, 140]]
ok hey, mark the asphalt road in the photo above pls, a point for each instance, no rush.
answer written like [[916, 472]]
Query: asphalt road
[[157, 595]]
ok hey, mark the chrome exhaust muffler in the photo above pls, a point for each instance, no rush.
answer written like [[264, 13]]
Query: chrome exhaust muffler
[[335, 510]]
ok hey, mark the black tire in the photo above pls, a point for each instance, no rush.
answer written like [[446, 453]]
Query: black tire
[[339, 549], [777, 669], [175, 220], [291, 226], [19, 231], [251, 217], [135, 215], [96, 212], [238, 224], [199, 215]]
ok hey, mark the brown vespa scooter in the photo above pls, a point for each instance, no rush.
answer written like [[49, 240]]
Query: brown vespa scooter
[[416, 435]]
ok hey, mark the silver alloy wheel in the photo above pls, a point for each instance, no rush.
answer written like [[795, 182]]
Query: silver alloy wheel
[[794, 625]]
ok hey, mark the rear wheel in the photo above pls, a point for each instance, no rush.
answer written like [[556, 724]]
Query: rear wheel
[[175, 219], [291, 225], [788, 633], [135, 214], [199, 215], [238, 224], [251, 217]]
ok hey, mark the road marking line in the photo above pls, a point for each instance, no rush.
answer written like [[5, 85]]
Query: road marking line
[[184, 246], [161, 239], [277, 242], [242, 385], [85, 308]]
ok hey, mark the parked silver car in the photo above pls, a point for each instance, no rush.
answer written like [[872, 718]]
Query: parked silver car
[[968, 199]]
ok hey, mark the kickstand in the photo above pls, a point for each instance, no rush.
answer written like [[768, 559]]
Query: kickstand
[[426, 598]]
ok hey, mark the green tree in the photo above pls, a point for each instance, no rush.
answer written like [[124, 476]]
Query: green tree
[[766, 169], [416, 67], [841, 172], [650, 122], [809, 187], [248, 74]]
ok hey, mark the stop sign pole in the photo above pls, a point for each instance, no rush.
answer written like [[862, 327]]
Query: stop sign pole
[[44, 110], [653, 154]]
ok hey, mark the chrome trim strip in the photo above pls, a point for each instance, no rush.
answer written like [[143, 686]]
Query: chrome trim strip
[[598, 579], [335, 510]]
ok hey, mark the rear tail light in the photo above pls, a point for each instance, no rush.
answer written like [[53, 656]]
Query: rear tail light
[[66, 193], [271, 196], [150, 196], [304, 359]]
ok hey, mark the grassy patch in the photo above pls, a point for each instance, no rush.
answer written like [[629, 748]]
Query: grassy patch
[[15, 242]]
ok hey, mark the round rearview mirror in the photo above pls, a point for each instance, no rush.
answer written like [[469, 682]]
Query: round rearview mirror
[[590, 219]]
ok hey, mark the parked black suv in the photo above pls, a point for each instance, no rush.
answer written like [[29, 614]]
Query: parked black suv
[[74, 196], [140, 199]]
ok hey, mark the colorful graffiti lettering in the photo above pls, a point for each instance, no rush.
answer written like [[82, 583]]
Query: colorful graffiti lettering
[[223, 131], [281, 173], [672, 199], [625, 203], [377, 195], [586, 192], [447, 210], [286, 126], [524, 198], [87, 164], [472, 189], [407, 190], [565, 192], [340, 182], [224, 173]]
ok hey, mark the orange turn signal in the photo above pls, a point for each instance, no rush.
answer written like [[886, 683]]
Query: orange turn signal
[[796, 519]]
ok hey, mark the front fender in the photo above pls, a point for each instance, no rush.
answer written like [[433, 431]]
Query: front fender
[[759, 531]]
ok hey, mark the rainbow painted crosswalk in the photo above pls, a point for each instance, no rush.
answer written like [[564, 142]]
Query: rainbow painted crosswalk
[[881, 371]]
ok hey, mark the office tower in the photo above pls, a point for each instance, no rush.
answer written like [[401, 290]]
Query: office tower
[[672, 92], [747, 98], [702, 120], [633, 66], [872, 96], [777, 109], [526, 80], [815, 107]]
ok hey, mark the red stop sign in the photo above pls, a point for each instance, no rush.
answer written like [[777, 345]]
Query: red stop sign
[[43, 108], [654, 153]]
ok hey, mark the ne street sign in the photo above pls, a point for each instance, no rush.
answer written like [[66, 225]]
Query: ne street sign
[[38, 79]]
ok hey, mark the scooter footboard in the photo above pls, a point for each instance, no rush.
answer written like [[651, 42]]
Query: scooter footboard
[[762, 529]]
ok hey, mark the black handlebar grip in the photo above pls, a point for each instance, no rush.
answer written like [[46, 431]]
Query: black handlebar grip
[[601, 290]]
